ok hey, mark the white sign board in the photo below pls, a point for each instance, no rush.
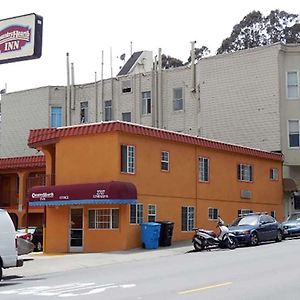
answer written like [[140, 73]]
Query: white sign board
[[21, 38]]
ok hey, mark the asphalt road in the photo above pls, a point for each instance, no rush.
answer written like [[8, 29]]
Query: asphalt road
[[269, 271]]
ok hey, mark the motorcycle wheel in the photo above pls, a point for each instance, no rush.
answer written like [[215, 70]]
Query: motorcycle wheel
[[231, 243], [198, 247]]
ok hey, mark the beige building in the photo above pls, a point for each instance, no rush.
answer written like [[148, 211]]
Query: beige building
[[250, 98]]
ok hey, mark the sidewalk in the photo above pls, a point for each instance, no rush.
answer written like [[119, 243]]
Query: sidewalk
[[39, 263]]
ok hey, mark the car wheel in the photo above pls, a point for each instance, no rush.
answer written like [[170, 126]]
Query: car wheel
[[279, 236], [254, 239], [38, 247]]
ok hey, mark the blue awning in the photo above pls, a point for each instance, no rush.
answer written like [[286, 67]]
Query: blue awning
[[83, 201]]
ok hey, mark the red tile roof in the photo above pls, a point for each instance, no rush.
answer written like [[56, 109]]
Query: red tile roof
[[23, 162], [46, 136]]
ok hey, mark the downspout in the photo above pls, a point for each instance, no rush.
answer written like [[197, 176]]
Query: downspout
[[72, 88], [102, 86], [112, 86], [154, 102], [67, 103], [96, 98], [159, 91], [193, 67]]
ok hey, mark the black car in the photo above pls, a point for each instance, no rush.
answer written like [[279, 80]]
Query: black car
[[36, 236], [255, 228], [291, 226]]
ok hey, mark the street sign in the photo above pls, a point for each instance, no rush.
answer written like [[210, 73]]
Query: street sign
[[21, 38]]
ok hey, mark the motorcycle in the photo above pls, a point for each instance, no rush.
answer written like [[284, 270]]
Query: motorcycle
[[204, 239]]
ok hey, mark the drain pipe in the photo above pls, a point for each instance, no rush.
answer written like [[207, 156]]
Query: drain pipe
[[96, 98], [67, 104], [193, 67], [159, 91], [72, 88]]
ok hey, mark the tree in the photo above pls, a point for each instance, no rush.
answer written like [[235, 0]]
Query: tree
[[168, 62], [257, 30], [199, 53]]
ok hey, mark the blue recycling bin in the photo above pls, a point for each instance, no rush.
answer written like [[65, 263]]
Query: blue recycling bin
[[150, 235]]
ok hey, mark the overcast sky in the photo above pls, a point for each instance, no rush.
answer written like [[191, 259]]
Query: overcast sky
[[85, 28]]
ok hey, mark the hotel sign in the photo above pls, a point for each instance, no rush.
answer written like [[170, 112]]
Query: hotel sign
[[21, 38]]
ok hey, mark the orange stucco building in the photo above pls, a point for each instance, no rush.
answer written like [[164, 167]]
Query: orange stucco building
[[109, 177], [17, 176]]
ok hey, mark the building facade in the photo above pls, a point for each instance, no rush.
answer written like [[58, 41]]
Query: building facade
[[249, 97], [127, 174]]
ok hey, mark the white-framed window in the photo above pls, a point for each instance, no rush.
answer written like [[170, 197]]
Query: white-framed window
[[146, 103], [177, 99], [151, 213], [126, 116], [187, 218], [244, 211], [84, 112], [274, 174], [244, 172], [136, 213], [203, 169], [107, 110], [126, 86], [292, 82], [294, 133], [106, 218], [213, 213], [128, 159], [164, 162]]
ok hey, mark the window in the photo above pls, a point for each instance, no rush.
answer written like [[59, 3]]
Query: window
[[104, 218], [292, 85], [187, 218], [177, 99], [126, 116], [107, 110], [128, 159], [56, 116], [294, 134], [243, 212], [84, 112], [146, 103], [164, 163], [126, 86], [203, 169], [151, 213], [245, 172], [274, 174], [136, 213], [213, 213]]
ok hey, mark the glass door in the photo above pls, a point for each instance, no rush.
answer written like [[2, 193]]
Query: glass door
[[76, 230]]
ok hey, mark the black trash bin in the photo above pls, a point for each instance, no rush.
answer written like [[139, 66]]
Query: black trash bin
[[166, 233]]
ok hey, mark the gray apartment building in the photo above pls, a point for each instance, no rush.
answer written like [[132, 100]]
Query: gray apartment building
[[249, 97]]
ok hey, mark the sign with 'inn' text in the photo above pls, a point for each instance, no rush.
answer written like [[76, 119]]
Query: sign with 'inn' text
[[21, 38]]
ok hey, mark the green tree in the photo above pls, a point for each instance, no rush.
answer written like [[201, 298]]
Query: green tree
[[199, 53], [257, 30], [168, 62]]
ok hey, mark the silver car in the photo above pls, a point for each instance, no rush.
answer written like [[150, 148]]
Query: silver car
[[291, 226]]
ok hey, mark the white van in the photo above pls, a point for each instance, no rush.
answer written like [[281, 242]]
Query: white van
[[8, 245]]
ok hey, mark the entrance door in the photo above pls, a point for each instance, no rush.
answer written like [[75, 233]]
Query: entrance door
[[76, 230]]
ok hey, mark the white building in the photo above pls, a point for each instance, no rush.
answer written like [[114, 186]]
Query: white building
[[249, 97]]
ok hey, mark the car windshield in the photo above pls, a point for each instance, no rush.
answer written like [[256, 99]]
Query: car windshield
[[294, 217], [246, 220]]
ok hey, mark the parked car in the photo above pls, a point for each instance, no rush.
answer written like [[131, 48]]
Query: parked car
[[8, 243], [255, 228], [24, 246], [291, 226], [34, 235]]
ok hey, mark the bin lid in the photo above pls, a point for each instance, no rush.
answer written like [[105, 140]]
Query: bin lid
[[165, 222], [150, 224]]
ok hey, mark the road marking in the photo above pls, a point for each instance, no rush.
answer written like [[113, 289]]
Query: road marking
[[204, 288], [67, 290]]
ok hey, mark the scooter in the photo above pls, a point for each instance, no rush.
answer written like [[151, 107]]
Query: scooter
[[204, 239]]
